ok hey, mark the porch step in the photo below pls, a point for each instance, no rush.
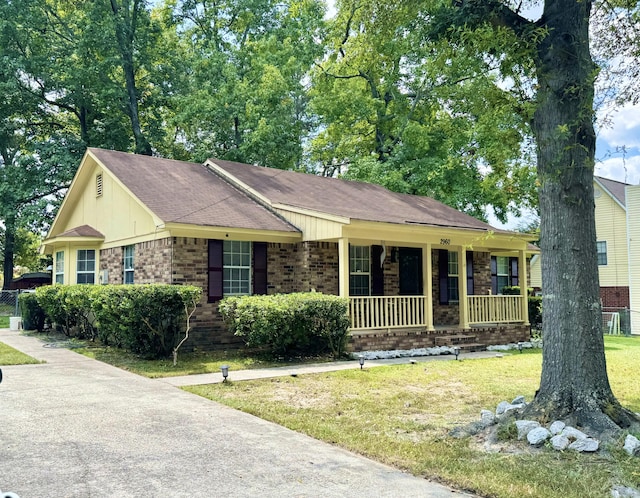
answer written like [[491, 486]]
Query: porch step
[[454, 340], [472, 346]]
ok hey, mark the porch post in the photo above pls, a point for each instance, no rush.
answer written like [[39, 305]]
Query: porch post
[[427, 285], [462, 287], [522, 266], [343, 267]]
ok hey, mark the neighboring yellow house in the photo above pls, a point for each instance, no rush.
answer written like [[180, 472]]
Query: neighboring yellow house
[[615, 229], [416, 272]]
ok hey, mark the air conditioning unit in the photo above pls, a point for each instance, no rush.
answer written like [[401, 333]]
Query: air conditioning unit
[[104, 277]]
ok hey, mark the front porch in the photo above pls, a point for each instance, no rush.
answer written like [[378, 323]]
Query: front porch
[[393, 312]]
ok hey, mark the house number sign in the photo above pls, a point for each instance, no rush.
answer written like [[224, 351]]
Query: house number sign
[[445, 242]]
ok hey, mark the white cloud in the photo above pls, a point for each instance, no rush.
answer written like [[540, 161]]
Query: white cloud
[[624, 130], [620, 168]]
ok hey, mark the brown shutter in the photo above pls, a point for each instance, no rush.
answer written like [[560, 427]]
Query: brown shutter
[[513, 265], [494, 276], [470, 273], [377, 273], [259, 267], [215, 271], [443, 275]]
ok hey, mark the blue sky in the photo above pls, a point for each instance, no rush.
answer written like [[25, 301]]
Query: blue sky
[[618, 146]]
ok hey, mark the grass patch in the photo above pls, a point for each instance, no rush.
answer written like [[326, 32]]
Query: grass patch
[[4, 322], [188, 363], [401, 415], [11, 356]]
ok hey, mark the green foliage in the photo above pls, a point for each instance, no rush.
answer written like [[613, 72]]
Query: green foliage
[[535, 312], [418, 115], [308, 323], [145, 319], [69, 308], [33, 316]]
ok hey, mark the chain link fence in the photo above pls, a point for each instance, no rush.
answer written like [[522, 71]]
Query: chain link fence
[[9, 303]]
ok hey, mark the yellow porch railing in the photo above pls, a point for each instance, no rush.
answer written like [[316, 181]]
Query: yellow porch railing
[[387, 312], [495, 309], [377, 312]]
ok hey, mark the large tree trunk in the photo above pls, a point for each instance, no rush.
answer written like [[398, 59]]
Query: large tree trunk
[[8, 250], [574, 384], [125, 19]]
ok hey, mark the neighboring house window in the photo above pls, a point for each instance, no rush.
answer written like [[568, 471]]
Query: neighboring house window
[[452, 276], [86, 266], [236, 274], [128, 264], [502, 272], [359, 270], [60, 267], [602, 253]]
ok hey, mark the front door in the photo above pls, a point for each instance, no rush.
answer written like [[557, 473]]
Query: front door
[[410, 259]]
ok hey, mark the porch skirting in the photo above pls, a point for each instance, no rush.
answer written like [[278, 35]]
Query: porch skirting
[[476, 337]]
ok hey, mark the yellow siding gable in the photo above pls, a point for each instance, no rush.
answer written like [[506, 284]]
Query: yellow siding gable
[[116, 213], [611, 227]]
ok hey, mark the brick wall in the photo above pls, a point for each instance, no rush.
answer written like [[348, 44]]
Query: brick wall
[[190, 267], [151, 260], [303, 267], [111, 260], [420, 338], [614, 297]]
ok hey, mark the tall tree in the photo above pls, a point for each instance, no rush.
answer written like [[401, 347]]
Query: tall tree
[[246, 95], [397, 111], [574, 384]]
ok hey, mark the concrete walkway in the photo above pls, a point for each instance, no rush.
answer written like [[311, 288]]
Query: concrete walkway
[[76, 427], [266, 373]]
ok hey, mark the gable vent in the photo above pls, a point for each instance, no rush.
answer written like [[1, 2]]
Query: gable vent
[[99, 185]]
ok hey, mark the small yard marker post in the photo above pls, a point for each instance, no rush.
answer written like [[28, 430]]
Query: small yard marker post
[[456, 351], [225, 372], [520, 347], [361, 360]]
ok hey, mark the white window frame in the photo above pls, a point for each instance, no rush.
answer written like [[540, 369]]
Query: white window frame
[[602, 255], [59, 270], [128, 262], [453, 273], [502, 272], [360, 270], [85, 263], [236, 267]]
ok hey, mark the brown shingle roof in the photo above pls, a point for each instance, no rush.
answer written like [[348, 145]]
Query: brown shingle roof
[[82, 231], [189, 193], [351, 199], [615, 188]]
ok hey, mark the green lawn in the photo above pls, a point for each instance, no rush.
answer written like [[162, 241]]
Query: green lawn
[[4, 322], [401, 415], [188, 363], [10, 356]]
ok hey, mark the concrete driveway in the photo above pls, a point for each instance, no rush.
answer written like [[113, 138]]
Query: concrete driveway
[[76, 427]]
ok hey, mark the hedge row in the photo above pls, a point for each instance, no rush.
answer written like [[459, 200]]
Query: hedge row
[[288, 324], [146, 319]]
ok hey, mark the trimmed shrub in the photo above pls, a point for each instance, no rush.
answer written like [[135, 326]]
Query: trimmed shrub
[[32, 314], [148, 320], [69, 308], [287, 324]]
